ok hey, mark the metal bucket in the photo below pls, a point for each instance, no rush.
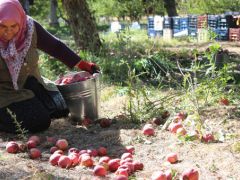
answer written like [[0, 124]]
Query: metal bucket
[[82, 98]]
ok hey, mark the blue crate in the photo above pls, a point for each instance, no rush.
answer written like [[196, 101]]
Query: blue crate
[[192, 32], [213, 21], [176, 22], [151, 33], [222, 34], [180, 23], [180, 32], [192, 21], [150, 22]]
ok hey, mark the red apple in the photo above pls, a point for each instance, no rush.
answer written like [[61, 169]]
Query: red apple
[[208, 137], [105, 122], [35, 138], [102, 151], [86, 160], [224, 101], [54, 159], [113, 164], [31, 144], [93, 152], [126, 155], [62, 144], [122, 171], [148, 130], [53, 149], [99, 170], [12, 147], [64, 162], [104, 159], [123, 161], [172, 158], [59, 151], [130, 149], [173, 127], [34, 153], [158, 175], [74, 157], [190, 174]]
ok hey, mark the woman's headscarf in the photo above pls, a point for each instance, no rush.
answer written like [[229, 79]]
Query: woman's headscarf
[[14, 51]]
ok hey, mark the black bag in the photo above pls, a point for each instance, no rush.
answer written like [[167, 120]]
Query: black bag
[[52, 100]]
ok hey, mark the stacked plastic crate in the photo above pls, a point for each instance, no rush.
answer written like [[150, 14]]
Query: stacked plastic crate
[[212, 25], [234, 33], [167, 28], [202, 25], [222, 28], [151, 31], [180, 26], [192, 25]]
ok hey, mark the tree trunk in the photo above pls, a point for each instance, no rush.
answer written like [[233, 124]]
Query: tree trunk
[[53, 13], [83, 24], [170, 6]]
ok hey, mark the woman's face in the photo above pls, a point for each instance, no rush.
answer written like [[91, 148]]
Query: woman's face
[[8, 30]]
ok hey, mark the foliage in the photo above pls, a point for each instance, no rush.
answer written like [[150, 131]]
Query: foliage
[[207, 82], [21, 132]]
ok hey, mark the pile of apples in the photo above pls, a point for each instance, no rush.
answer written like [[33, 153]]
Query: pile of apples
[[96, 160], [188, 174], [78, 77], [30, 147], [176, 127]]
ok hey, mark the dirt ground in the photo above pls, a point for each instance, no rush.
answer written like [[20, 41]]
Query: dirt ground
[[214, 161]]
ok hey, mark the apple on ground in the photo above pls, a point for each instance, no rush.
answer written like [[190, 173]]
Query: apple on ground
[[35, 138], [31, 144], [148, 130], [130, 149], [172, 157], [173, 127], [34, 153], [86, 161], [113, 164], [207, 138], [102, 151], [104, 159], [74, 157], [62, 144], [12, 147], [158, 175], [126, 155], [64, 162], [53, 160], [190, 174], [105, 122], [99, 170], [224, 101]]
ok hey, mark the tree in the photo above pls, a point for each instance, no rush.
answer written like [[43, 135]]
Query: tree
[[170, 6], [53, 13], [82, 24]]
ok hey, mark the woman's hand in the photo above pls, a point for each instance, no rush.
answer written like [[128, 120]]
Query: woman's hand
[[88, 66]]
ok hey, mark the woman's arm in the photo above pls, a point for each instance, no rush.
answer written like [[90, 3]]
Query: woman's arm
[[54, 47]]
